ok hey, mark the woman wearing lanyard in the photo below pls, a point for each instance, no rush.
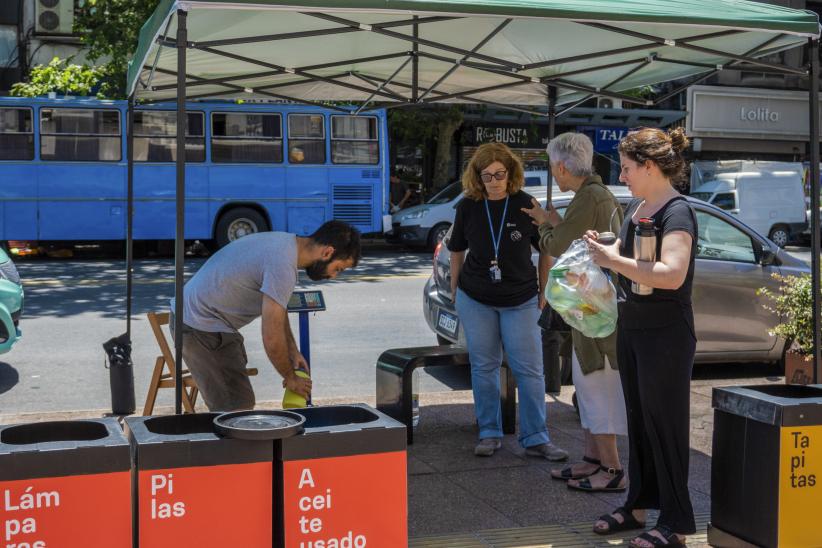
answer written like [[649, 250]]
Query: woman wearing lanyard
[[496, 292]]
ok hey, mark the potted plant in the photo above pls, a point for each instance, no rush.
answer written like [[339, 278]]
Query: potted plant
[[793, 302]]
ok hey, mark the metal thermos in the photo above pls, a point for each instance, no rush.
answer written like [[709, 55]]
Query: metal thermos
[[644, 250]]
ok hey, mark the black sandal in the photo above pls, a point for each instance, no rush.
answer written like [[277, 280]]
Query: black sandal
[[629, 522], [612, 486], [567, 473], [671, 539]]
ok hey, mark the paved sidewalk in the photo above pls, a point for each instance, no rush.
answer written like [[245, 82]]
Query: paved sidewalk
[[509, 500]]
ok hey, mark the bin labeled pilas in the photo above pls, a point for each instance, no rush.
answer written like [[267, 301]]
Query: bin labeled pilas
[[194, 487], [65, 484]]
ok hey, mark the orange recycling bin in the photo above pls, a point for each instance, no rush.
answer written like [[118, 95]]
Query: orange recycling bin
[[194, 487], [65, 484], [344, 481]]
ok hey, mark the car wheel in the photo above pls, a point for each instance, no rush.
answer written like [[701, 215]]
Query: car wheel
[[779, 235], [238, 222], [436, 234]]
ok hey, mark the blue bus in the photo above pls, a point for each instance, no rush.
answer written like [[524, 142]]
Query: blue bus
[[249, 168]]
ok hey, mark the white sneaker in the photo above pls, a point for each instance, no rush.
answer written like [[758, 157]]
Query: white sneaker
[[547, 451]]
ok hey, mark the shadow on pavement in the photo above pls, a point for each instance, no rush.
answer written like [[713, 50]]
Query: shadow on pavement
[[65, 288], [9, 377]]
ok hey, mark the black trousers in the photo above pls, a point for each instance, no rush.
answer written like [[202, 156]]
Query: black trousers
[[656, 356]]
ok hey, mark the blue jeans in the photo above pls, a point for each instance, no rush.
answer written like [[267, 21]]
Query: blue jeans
[[489, 329]]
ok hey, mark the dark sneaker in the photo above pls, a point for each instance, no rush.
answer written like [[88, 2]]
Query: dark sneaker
[[547, 451], [486, 447]]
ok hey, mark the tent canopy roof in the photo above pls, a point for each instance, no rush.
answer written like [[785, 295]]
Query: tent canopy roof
[[504, 52]]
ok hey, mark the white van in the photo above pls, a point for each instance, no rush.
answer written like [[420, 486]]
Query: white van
[[767, 196]]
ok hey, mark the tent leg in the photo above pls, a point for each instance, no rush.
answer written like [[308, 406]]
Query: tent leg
[[552, 132], [415, 64], [179, 236], [129, 213], [813, 49]]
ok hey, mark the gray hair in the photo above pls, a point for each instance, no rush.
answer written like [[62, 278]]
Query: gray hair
[[575, 150]]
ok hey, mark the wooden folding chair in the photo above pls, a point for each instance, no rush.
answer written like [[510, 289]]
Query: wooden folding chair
[[165, 361], [163, 376]]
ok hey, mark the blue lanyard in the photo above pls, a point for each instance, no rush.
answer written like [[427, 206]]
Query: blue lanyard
[[496, 240]]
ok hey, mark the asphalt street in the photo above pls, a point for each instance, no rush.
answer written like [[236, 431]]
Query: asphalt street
[[73, 306]]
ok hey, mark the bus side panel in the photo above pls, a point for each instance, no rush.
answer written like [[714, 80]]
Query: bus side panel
[[18, 200], [307, 193], [355, 193], [87, 197], [248, 184], [155, 207]]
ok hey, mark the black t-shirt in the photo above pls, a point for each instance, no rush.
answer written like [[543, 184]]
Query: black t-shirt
[[658, 308], [519, 236]]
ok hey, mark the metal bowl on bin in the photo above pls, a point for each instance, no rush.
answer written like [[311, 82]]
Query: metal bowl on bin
[[259, 425]]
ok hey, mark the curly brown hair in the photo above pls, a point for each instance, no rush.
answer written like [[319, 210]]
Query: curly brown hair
[[660, 147], [485, 155]]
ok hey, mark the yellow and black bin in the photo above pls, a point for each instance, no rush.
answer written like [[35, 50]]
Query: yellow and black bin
[[343, 480], [65, 483], [196, 487], [766, 475]]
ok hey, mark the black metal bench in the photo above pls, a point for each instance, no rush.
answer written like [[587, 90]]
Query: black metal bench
[[395, 369]]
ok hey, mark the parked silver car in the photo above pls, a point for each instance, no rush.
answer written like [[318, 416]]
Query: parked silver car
[[732, 262]]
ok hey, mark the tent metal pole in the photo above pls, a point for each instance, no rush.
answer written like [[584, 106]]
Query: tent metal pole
[[813, 97], [464, 58], [299, 72], [420, 41], [129, 211], [382, 86], [415, 63], [179, 237], [552, 132]]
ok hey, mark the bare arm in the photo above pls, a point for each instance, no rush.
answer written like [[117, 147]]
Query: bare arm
[[545, 262], [457, 259], [277, 339], [668, 272]]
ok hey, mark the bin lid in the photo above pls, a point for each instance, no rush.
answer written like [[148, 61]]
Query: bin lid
[[259, 425], [774, 404]]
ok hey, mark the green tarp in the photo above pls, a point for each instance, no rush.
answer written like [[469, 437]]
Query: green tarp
[[523, 45]]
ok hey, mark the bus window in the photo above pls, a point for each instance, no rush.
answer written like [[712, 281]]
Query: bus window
[[306, 139], [16, 135], [239, 138], [80, 135], [155, 136], [354, 140]]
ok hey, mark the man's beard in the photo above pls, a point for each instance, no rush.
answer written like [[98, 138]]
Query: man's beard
[[318, 270]]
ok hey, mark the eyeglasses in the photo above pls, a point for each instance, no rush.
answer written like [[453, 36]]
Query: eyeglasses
[[499, 176]]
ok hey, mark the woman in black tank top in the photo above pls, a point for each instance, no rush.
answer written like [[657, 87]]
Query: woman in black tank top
[[655, 337]]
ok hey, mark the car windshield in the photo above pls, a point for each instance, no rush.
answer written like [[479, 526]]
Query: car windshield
[[446, 194], [704, 196]]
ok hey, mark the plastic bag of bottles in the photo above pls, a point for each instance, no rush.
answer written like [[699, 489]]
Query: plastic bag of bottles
[[581, 292]]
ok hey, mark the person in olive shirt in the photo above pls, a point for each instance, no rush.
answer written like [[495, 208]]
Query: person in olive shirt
[[594, 366], [495, 288]]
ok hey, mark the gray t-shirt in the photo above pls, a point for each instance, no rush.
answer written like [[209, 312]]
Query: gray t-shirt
[[227, 292]]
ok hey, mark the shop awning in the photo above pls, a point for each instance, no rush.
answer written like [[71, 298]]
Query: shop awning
[[479, 51]]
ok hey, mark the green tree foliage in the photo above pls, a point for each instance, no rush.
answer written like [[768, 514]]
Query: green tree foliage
[[425, 124], [793, 302], [60, 77], [110, 29]]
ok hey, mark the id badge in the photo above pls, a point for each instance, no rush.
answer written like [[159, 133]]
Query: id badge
[[496, 274]]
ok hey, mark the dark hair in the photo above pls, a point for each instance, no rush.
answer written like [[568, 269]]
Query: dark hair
[[660, 147], [344, 238]]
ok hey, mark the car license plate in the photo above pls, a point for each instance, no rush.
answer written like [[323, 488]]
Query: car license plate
[[447, 323]]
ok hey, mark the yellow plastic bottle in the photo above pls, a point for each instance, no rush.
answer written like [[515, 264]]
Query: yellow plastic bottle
[[292, 400]]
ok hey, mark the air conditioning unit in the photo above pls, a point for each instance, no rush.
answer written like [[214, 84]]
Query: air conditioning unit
[[54, 16], [608, 102]]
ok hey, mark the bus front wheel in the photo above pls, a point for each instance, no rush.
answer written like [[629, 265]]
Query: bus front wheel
[[238, 222]]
